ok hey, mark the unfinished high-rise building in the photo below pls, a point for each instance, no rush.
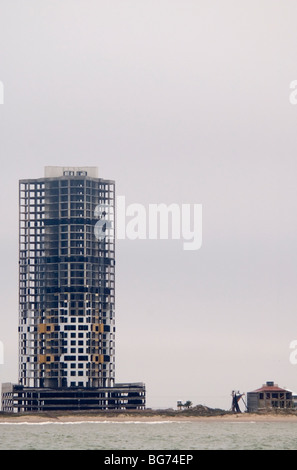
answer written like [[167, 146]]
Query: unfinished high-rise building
[[67, 296]]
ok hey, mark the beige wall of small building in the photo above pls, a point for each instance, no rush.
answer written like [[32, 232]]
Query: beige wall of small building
[[269, 397]]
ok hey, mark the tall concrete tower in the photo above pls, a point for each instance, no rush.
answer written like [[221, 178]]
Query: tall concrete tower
[[67, 293], [66, 279]]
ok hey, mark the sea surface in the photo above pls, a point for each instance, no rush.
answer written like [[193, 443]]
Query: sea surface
[[158, 435]]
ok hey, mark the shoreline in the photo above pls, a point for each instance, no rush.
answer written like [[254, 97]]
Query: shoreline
[[126, 417]]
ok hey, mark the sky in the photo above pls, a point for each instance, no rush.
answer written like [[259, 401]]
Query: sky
[[178, 101]]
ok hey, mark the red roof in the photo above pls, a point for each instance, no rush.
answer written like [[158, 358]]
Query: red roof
[[270, 388]]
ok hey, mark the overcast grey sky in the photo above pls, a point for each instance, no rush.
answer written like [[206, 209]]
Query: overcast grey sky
[[183, 101]]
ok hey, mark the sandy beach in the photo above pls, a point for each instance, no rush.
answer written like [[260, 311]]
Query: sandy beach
[[52, 417]]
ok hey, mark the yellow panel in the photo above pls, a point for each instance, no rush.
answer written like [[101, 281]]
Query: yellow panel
[[52, 358], [98, 327], [99, 358], [42, 328], [49, 327], [41, 358]]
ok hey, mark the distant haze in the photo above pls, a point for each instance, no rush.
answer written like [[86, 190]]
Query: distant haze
[[178, 101]]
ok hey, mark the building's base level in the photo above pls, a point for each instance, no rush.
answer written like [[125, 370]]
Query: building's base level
[[19, 399]]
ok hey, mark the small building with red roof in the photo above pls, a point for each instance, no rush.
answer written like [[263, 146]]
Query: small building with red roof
[[269, 396]]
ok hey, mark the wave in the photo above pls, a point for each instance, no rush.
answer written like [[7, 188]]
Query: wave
[[43, 423]]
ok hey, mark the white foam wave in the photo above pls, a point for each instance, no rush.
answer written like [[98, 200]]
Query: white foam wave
[[43, 423]]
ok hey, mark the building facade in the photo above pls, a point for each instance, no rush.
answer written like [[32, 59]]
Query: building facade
[[269, 396], [67, 281], [17, 398]]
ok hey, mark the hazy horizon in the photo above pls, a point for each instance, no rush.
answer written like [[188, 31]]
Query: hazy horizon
[[184, 102]]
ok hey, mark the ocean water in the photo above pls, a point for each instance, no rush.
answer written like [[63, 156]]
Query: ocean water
[[149, 436]]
